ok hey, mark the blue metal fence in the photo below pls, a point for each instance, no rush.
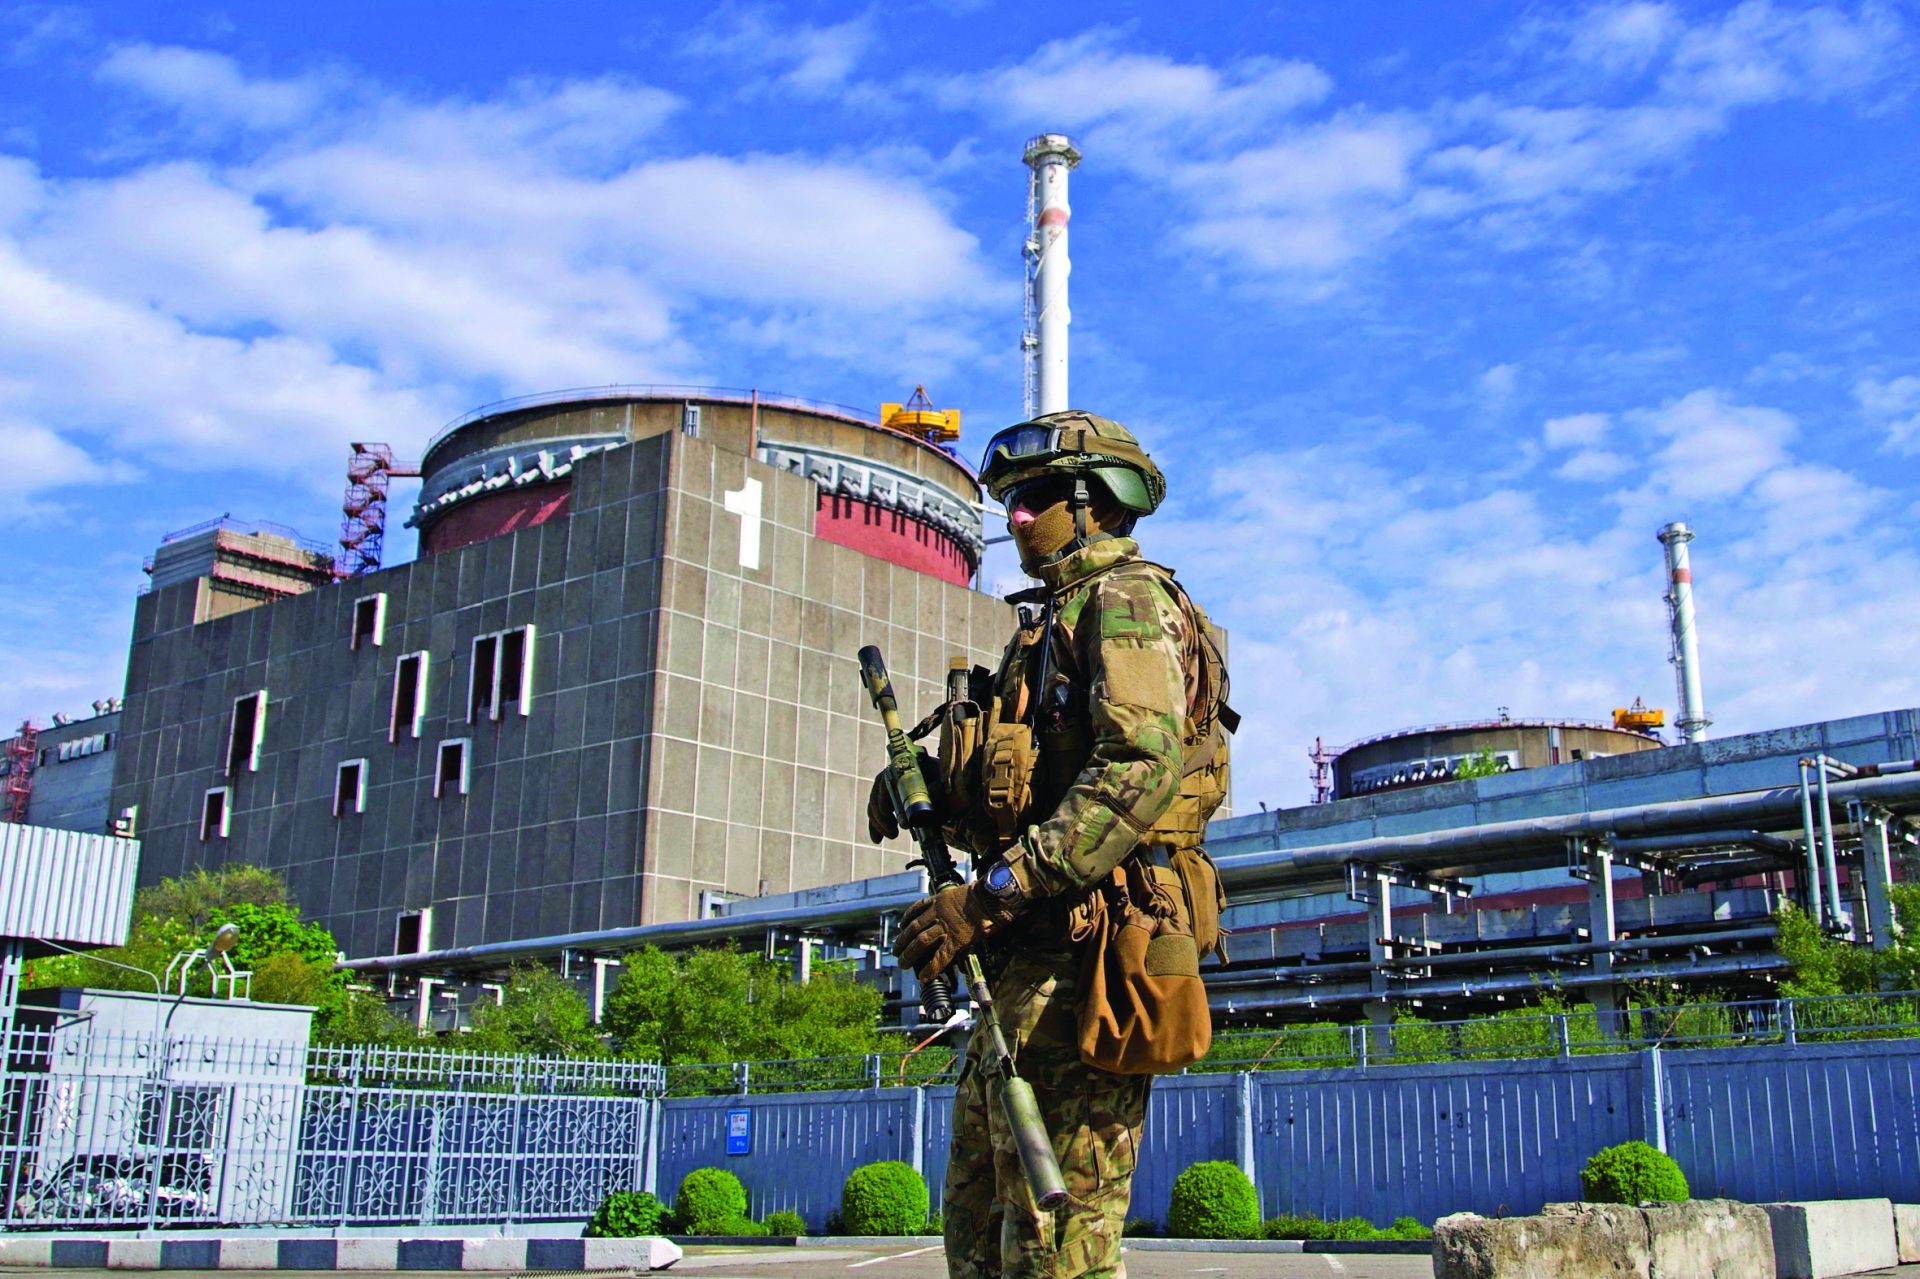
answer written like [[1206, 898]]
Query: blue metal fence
[[1755, 1123]]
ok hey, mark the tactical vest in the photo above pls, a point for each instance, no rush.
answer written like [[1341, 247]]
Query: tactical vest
[[1011, 748]]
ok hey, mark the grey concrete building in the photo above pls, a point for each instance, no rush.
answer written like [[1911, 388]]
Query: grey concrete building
[[72, 770], [620, 677]]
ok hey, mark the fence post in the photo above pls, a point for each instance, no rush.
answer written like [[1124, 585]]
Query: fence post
[[917, 1131], [1789, 1023], [742, 1077], [1243, 1129], [1653, 1099], [1357, 1036], [1563, 1034], [351, 1155], [873, 1070]]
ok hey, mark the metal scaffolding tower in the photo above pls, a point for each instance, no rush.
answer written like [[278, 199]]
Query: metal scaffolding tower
[[363, 526], [23, 755]]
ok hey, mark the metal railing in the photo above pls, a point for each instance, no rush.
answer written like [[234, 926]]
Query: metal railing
[[617, 391], [124, 1129]]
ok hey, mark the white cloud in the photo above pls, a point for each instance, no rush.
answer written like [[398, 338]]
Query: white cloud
[[208, 88], [1498, 384], [1624, 38], [1303, 199], [812, 60], [1594, 465], [1715, 449], [1090, 80], [1576, 429], [1895, 406]]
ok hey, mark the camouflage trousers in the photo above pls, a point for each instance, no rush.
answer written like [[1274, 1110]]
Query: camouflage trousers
[[993, 1227]]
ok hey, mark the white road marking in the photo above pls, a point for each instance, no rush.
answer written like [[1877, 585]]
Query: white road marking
[[897, 1256], [1210, 1270], [1333, 1261]]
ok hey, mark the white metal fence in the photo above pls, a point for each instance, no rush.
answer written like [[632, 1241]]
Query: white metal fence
[[115, 1129]]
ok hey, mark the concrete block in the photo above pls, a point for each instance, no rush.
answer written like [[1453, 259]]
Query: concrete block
[[493, 1254], [79, 1254], [133, 1254], [250, 1254], [1593, 1241], [556, 1254], [429, 1254], [190, 1254], [1823, 1237], [306, 1254], [1906, 1232], [368, 1254], [1721, 1238], [26, 1252], [651, 1253]]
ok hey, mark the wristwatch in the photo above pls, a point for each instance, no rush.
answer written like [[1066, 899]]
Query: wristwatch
[[1000, 883]]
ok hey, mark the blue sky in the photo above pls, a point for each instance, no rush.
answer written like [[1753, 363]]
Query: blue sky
[[1431, 322]]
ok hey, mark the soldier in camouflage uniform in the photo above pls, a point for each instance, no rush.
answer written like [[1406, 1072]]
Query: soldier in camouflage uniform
[[1099, 692]]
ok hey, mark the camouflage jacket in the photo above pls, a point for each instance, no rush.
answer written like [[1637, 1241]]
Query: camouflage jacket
[[1125, 655]]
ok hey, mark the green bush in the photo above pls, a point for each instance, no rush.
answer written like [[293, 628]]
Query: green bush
[[627, 1214], [1630, 1173], [1294, 1226], [1352, 1228], [740, 1226], [1213, 1200], [887, 1198], [1408, 1228], [711, 1201], [937, 1224], [1140, 1228], [786, 1223]]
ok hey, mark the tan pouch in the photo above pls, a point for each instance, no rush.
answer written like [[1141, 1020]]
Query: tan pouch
[[1143, 1006], [1006, 776]]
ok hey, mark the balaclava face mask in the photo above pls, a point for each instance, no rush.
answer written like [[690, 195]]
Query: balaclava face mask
[[1041, 520]]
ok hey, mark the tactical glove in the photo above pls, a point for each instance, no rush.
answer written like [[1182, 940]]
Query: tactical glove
[[937, 928]]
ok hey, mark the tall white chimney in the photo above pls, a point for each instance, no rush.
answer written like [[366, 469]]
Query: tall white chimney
[[1051, 156], [1693, 722]]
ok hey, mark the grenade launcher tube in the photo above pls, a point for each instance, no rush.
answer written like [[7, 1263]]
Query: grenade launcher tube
[[913, 809]]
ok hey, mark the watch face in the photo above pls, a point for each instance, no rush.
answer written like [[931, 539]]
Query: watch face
[[1000, 880]]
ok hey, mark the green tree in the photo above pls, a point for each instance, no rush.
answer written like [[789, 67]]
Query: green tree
[[1822, 965], [291, 959], [1481, 764], [538, 1013], [724, 1005]]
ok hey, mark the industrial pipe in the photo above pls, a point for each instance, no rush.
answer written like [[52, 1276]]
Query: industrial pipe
[[1538, 842], [1731, 965], [1815, 908], [1229, 979], [1756, 840], [1836, 912]]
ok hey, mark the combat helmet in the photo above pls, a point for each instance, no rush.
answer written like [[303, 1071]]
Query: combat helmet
[[1078, 445]]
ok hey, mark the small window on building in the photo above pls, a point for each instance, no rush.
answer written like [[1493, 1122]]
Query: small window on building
[[480, 677], [245, 734], [127, 824], [215, 811], [502, 674], [450, 773], [409, 696], [690, 420], [350, 788], [369, 620], [412, 931]]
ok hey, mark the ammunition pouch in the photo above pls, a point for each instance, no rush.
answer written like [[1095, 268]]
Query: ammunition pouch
[[1143, 1007], [1006, 778]]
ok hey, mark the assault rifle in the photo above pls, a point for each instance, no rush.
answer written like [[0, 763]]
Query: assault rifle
[[913, 809]]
